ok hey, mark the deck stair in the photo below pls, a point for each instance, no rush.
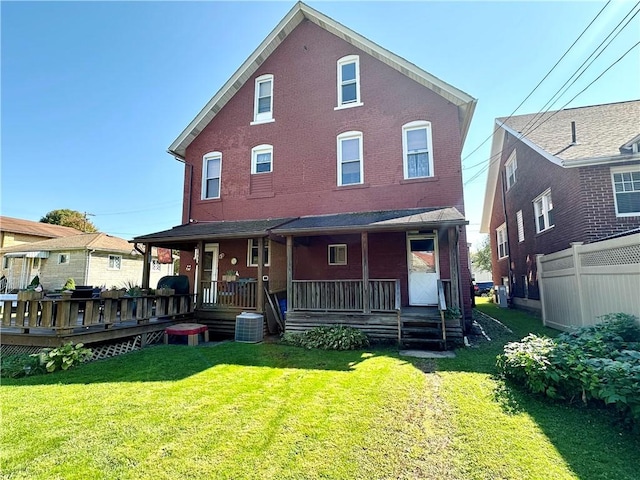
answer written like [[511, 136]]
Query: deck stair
[[422, 327]]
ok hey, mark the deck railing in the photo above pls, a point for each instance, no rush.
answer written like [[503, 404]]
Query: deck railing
[[65, 314], [344, 295], [222, 294]]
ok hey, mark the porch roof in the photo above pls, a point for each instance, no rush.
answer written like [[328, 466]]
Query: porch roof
[[386, 220], [192, 232]]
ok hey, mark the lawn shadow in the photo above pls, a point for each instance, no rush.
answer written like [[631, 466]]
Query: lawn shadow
[[176, 362]]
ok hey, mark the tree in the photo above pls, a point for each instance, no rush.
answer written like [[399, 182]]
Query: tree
[[69, 218], [482, 258]]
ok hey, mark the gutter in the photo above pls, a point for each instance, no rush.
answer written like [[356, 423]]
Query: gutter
[[182, 159]]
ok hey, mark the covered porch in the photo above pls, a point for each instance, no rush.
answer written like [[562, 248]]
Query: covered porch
[[359, 269]]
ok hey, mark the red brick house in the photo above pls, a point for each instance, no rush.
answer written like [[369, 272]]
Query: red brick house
[[566, 176], [341, 162]]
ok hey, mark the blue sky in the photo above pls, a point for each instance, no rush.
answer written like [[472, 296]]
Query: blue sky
[[93, 93]]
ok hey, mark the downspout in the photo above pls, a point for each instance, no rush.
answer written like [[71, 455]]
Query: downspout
[[506, 230], [182, 160], [460, 295], [87, 267]]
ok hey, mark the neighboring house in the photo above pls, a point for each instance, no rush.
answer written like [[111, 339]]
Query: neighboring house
[[16, 231], [95, 259], [573, 178], [330, 166]]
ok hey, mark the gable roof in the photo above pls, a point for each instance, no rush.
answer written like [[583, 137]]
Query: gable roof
[[299, 12], [39, 229], [604, 134], [84, 241]]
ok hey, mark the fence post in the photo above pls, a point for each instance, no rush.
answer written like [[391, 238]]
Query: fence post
[[577, 268], [540, 275]]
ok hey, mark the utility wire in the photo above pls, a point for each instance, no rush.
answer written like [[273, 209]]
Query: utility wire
[[536, 87]]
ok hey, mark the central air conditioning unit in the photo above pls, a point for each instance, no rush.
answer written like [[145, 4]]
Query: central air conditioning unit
[[249, 327]]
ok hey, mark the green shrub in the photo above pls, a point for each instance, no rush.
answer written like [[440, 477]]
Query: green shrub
[[64, 357], [336, 337], [70, 284], [600, 363], [20, 365]]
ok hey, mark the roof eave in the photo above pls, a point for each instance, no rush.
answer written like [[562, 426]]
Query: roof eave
[[369, 228], [587, 162]]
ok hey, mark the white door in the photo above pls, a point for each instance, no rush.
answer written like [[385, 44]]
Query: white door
[[423, 269], [210, 273]]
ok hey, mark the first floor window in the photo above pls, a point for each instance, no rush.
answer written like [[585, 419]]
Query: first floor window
[[350, 158], [252, 253], [338, 254], [416, 146], [211, 169], [262, 159], [626, 187], [502, 242], [543, 209], [63, 258], [115, 262], [155, 265]]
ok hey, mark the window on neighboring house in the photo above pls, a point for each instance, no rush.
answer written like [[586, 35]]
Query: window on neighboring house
[[5, 262], [252, 253], [543, 209], [338, 254], [501, 240], [211, 169], [417, 152], [520, 223], [155, 265], [63, 258], [263, 104], [350, 158], [349, 81], [510, 167], [36, 263], [262, 159], [115, 262], [626, 187]]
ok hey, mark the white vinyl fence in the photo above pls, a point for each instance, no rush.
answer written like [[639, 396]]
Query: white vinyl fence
[[583, 282]]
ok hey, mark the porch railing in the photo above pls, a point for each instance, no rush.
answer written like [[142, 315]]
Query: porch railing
[[65, 315], [222, 294], [344, 295]]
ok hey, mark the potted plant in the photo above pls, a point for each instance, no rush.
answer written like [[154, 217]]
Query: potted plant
[[33, 292], [230, 276]]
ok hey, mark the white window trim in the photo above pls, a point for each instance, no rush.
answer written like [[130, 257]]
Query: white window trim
[[255, 151], [266, 244], [337, 245], [623, 169], [264, 117], [502, 228], [109, 267], [512, 163], [156, 266], [545, 211], [416, 125], [203, 190], [520, 223], [342, 61], [66, 254], [349, 136]]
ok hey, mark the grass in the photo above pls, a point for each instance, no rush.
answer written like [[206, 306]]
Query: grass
[[269, 411]]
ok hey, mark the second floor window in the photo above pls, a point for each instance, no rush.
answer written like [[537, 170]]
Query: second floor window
[[349, 81], [350, 158], [510, 167], [417, 151], [263, 103], [211, 168], [543, 209], [262, 159], [502, 241]]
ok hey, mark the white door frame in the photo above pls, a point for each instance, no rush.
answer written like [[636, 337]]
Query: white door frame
[[212, 296], [429, 236]]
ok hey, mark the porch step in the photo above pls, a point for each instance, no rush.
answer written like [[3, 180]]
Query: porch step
[[422, 330]]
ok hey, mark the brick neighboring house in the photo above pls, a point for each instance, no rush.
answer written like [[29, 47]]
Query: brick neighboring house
[[341, 161], [575, 178], [95, 259]]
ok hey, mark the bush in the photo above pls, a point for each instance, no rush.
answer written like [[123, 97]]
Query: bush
[[600, 363], [20, 365], [328, 338], [63, 358]]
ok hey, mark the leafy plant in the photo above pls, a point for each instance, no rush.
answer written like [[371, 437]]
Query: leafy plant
[[70, 284], [334, 337], [64, 357], [452, 313], [133, 289], [20, 365]]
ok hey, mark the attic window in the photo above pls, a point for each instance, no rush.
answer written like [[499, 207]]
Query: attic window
[[349, 82], [263, 100]]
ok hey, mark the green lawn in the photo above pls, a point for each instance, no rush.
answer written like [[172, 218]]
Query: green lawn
[[268, 411]]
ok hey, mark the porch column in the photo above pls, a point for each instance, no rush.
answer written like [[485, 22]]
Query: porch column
[[146, 267], [364, 240], [290, 273], [260, 292], [454, 267], [197, 288]]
